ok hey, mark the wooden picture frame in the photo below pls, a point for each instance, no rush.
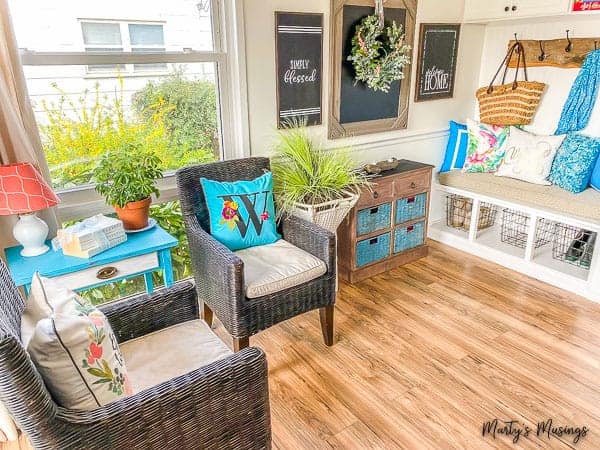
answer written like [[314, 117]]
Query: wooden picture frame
[[436, 62], [342, 124], [299, 75]]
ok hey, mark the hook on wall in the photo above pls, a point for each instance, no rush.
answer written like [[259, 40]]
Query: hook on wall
[[569, 46], [542, 56], [518, 42]]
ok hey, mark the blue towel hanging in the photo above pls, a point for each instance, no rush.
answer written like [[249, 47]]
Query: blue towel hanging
[[582, 98]]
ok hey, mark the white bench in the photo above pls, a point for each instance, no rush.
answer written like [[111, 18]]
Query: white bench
[[541, 204]]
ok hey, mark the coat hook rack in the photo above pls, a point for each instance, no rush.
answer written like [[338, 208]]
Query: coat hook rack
[[553, 52], [569, 46], [517, 41], [542, 56]]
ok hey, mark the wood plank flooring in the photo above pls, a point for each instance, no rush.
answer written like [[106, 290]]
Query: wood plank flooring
[[427, 353]]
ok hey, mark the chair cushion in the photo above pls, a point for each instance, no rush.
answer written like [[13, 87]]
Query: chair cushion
[[275, 267], [75, 349], [242, 214], [171, 352]]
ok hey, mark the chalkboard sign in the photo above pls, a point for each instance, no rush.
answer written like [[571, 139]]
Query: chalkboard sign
[[299, 39], [436, 66], [359, 103]]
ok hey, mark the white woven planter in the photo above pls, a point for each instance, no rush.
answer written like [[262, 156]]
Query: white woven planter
[[328, 215]]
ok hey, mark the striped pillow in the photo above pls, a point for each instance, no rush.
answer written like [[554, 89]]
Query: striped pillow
[[456, 150]]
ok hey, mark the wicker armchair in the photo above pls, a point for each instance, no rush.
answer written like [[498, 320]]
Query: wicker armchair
[[222, 405], [219, 272]]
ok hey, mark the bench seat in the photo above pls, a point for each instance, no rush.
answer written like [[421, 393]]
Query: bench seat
[[584, 206]]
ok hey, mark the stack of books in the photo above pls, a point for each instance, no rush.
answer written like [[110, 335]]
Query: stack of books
[[91, 236]]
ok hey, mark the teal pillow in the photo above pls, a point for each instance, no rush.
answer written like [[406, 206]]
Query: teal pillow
[[574, 163], [242, 214]]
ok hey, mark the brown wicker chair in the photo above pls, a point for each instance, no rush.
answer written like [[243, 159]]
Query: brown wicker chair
[[219, 272], [223, 405]]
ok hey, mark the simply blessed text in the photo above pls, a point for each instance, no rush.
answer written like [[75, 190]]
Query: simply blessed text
[[294, 74]]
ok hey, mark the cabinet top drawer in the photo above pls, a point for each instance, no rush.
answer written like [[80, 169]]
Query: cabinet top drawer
[[407, 186], [381, 192]]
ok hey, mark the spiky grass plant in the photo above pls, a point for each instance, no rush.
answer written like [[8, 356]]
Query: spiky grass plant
[[304, 172]]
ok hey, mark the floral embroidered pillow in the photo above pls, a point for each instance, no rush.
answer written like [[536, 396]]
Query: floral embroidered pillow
[[486, 147], [242, 214], [76, 351]]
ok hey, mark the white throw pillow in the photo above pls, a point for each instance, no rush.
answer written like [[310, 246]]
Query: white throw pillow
[[75, 349], [529, 156]]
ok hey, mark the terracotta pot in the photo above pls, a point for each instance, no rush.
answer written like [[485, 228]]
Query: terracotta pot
[[135, 214]]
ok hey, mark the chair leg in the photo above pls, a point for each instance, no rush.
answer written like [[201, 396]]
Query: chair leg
[[240, 343], [207, 314], [326, 315]]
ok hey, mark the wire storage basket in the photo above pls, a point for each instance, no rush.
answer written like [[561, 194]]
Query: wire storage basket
[[515, 229], [459, 210], [573, 245]]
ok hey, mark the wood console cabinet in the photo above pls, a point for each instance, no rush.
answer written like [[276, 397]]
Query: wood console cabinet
[[388, 226]]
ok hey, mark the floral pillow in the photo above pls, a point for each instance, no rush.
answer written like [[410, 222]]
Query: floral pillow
[[486, 148], [242, 214], [75, 349]]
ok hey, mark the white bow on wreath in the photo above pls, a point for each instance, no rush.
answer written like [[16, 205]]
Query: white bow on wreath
[[378, 52]]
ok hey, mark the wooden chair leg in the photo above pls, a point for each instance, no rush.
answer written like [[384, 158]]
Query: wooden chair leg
[[207, 314], [240, 343], [326, 315]]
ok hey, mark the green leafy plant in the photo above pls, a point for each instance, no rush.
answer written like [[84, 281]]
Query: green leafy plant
[[378, 53], [304, 172], [127, 174]]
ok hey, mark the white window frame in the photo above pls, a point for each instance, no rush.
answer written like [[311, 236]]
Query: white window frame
[[126, 45], [229, 58]]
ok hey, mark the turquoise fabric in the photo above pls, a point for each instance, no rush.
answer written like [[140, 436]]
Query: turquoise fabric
[[574, 163], [242, 214], [578, 108], [456, 150], [595, 181]]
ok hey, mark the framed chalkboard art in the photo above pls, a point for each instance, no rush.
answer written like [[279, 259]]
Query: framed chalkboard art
[[354, 108], [436, 64], [299, 42]]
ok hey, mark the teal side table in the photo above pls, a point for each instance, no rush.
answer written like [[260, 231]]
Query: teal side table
[[142, 254]]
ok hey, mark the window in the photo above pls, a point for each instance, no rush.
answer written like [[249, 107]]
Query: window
[[127, 71], [120, 37]]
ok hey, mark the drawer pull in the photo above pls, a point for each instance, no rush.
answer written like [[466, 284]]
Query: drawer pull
[[375, 194], [107, 273], [409, 229], [410, 200], [373, 241], [413, 185], [374, 210]]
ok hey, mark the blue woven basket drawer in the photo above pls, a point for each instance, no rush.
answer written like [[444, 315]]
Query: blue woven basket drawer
[[409, 237], [410, 208], [372, 219], [371, 250]]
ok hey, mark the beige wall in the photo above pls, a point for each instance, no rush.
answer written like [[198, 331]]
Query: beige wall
[[425, 138]]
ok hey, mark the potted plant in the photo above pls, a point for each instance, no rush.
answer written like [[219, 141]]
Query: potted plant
[[318, 185], [126, 178]]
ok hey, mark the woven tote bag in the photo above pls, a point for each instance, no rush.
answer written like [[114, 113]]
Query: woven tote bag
[[513, 103]]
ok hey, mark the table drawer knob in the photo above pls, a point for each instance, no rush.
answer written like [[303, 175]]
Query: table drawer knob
[[375, 194], [106, 273], [413, 185]]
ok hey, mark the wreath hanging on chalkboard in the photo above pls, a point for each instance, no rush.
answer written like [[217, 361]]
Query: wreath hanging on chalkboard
[[379, 53]]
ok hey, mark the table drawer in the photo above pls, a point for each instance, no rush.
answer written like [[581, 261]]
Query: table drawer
[[125, 267], [372, 219], [411, 208], [406, 238], [404, 187], [379, 193], [371, 250]]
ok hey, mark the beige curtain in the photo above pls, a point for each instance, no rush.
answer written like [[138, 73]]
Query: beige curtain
[[19, 137]]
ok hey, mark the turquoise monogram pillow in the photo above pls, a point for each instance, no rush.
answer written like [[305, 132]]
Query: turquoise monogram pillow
[[242, 214], [574, 162]]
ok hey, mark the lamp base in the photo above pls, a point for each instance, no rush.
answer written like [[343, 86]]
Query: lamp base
[[31, 232]]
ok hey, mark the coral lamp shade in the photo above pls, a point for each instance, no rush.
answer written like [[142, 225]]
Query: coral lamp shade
[[23, 190]]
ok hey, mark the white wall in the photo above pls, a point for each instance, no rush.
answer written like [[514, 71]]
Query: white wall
[[559, 81], [425, 138]]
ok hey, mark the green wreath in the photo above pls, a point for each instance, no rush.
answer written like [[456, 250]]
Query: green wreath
[[378, 53]]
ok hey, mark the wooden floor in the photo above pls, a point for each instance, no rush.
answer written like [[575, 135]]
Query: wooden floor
[[427, 353]]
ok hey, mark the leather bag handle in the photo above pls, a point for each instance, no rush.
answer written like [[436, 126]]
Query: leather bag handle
[[518, 47]]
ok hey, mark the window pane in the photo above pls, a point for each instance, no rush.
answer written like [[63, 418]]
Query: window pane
[[104, 67], [142, 34], [81, 118], [101, 33], [58, 25], [149, 67]]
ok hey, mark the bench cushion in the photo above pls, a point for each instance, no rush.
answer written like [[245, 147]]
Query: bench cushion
[[583, 206]]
